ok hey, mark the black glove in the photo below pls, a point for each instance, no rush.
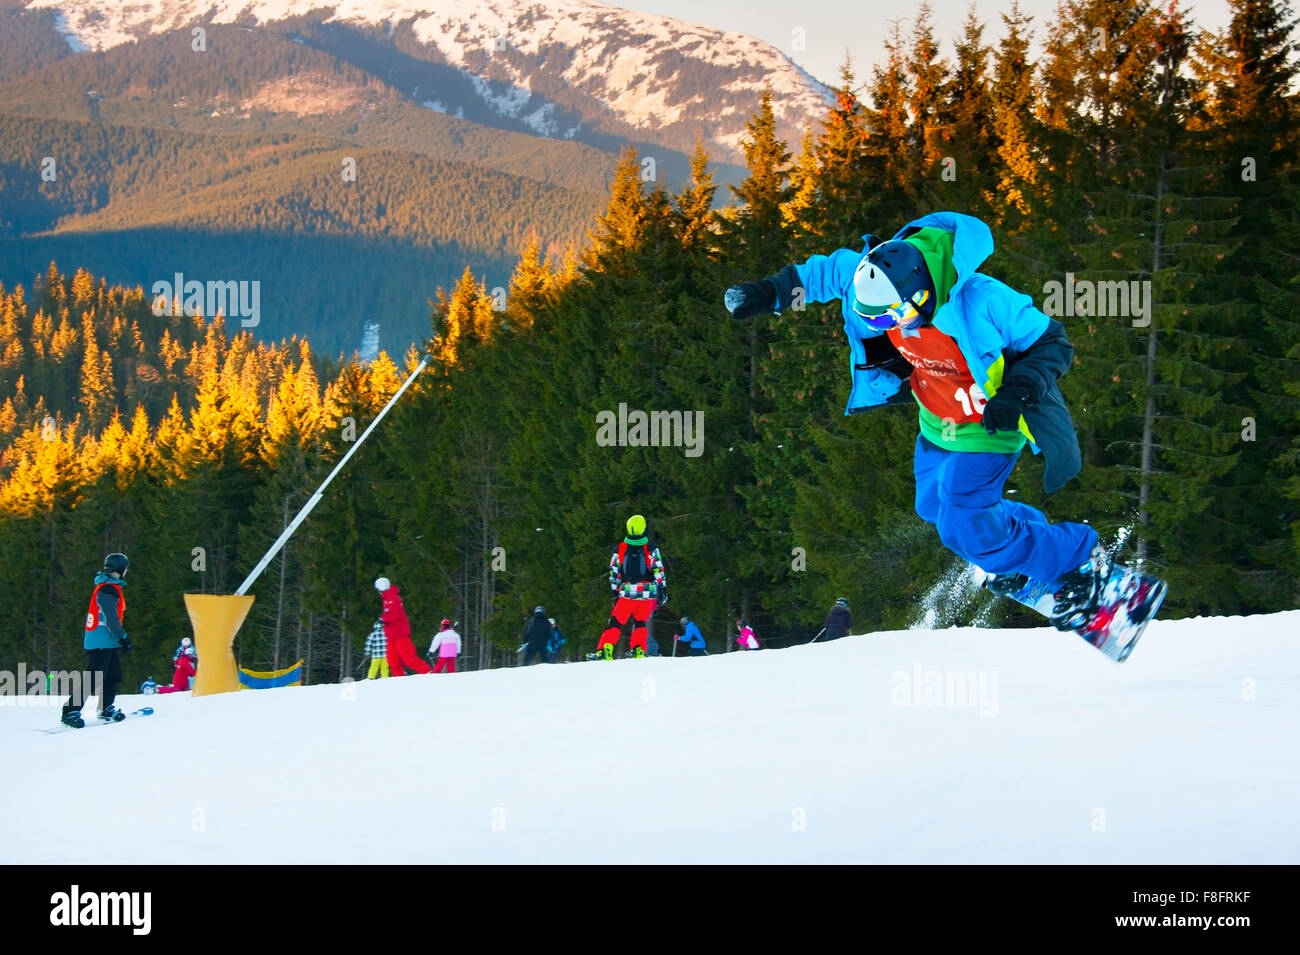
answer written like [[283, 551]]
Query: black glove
[[751, 298], [1003, 410], [663, 598], [126, 642]]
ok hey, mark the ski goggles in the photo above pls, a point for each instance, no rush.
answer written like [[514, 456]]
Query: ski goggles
[[900, 314]]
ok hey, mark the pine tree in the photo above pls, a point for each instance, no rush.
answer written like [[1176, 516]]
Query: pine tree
[[967, 175], [1150, 221], [96, 394], [1014, 122], [930, 114], [1245, 73]]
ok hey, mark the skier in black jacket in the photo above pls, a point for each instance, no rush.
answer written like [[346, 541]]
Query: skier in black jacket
[[839, 621], [537, 634]]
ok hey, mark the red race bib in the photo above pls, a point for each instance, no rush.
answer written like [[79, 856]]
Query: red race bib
[[940, 379]]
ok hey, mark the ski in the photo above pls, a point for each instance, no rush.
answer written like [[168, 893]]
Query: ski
[[61, 728], [1129, 601]]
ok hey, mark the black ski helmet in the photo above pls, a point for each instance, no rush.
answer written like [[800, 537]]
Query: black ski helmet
[[893, 270], [540, 610], [116, 564]]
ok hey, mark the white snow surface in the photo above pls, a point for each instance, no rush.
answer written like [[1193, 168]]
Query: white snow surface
[[625, 78], [1183, 754]]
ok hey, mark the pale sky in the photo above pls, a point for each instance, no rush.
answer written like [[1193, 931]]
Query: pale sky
[[830, 27]]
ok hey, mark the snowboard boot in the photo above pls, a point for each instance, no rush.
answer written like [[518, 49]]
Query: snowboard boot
[[1003, 585], [638, 653], [1078, 595], [112, 714], [72, 718]]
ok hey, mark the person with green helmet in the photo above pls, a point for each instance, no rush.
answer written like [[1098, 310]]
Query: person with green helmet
[[636, 577], [104, 642]]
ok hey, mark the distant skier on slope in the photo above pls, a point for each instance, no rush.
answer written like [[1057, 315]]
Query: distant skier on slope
[[556, 642], [982, 364], [445, 647], [537, 636], [636, 577], [745, 639], [105, 640], [182, 675], [397, 631], [186, 648], [377, 650], [692, 638], [839, 620]]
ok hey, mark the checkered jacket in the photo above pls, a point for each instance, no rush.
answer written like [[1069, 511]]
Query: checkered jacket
[[645, 590]]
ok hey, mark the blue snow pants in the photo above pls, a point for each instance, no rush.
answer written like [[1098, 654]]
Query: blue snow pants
[[960, 493]]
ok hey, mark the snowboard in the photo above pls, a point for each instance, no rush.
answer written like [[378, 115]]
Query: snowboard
[[63, 728], [1129, 601]]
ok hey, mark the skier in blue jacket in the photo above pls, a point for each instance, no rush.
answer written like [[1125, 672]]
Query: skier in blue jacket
[[694, 640], [981, 363], [104, 642]]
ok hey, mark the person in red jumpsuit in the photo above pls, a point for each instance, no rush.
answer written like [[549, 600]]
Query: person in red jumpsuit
[[397, 630], [181, 678]]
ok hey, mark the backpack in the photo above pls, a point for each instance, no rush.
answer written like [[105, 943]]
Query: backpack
[[634, 563]]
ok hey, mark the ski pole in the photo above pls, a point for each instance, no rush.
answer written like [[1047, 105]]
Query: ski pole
[[819, 633]]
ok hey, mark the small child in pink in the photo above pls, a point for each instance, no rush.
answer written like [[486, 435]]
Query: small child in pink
[[447, 646], [745, 640]]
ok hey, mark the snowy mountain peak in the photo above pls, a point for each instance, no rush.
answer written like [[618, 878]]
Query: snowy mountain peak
[[650, 72]]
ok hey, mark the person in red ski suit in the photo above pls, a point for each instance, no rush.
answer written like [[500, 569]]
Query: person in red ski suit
[[181, 678], [397, 630], [636, 575]]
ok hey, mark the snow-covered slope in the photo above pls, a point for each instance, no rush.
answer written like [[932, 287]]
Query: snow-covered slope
[[632, 63], [957, 745]]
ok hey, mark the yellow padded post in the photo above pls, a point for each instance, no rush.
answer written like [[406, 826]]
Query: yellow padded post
[[216, 618]]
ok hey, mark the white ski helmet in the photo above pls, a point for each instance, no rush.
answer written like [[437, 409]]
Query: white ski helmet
[[382, 584]]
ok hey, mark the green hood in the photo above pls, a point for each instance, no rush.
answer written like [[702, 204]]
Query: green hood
[[936, 248]]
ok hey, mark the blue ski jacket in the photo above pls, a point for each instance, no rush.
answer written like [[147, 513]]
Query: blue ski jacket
[[993, 325], [692, 637]]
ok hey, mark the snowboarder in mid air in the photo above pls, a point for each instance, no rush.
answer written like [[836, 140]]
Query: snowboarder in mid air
[[981, 363], [104, 642], [636, 577]]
